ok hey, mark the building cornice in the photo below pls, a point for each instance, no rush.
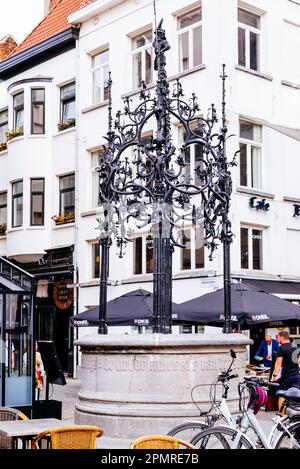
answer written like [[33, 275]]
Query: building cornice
[[92, 10], [26, 59], [30, 80]]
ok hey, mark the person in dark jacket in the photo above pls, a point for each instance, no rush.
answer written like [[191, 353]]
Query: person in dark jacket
[[266, 350], [286, 370]]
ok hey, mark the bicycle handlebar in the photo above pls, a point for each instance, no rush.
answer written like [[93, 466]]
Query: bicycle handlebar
[[232, 377], [225, 376], [261, 382]]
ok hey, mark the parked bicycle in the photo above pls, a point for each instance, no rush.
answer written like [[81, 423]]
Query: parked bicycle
[[191, 428], [285, 433], [233, 435]]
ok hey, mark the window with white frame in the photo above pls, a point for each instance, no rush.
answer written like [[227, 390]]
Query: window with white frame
[[37, 202], [38, 111], [193, 155], [3, 210], [67, 106], [95, 260], [3, 125], [138, 152], [17, 204], [251, 248], [95, 162], [100, 72], [190, 39], [143, 259], [250, 155], [18, 100], [249, 38], [295, 331], [192, 256], [142, 58], [67, 196]]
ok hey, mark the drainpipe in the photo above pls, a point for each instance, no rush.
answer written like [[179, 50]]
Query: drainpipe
[[77, 211]]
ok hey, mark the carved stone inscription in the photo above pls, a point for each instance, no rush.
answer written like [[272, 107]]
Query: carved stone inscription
[[154, 364]]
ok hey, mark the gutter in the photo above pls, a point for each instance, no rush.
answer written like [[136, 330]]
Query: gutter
[[38, 53], [290, 132], [94, 9], [74, 331]]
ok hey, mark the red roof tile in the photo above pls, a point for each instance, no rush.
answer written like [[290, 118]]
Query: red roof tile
[[7, 46], [54, 22]]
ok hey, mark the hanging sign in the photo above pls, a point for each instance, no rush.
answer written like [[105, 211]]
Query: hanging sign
[[62, 295]]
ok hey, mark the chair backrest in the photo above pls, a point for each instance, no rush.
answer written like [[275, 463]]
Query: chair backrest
[[159, 442], [8, 413], [71, 437]]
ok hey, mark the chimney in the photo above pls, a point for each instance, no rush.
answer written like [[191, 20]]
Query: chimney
[[7, 46], [49, 4]]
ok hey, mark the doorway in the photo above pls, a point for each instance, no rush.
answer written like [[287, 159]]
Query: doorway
[[54, 322]]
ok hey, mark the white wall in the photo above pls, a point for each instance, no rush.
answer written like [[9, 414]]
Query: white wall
[[32, 156], [259, 97]]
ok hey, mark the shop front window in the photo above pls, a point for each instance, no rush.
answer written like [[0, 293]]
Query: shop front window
[[16, 329]]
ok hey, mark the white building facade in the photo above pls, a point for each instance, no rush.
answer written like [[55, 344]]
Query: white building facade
[[258, 41]]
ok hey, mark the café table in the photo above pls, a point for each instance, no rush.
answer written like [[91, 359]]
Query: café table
[[26, 430]]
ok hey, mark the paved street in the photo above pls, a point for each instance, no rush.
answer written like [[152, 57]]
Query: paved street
[[67, 394]]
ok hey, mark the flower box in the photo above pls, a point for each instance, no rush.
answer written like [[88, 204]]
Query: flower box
[[3, 228], [64, 219], [11, 134], [66, 125], [3, 146]]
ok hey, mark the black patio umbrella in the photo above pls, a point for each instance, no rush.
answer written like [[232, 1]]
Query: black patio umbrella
[[133, 308], [250, 307]]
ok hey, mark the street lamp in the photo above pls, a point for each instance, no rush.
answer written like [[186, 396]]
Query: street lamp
[[146, 181]]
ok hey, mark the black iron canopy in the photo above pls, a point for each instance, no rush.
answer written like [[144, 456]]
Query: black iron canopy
[[145, 182]]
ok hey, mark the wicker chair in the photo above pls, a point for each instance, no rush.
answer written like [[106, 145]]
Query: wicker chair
[[8, 414], [72, 437], [160, 442]]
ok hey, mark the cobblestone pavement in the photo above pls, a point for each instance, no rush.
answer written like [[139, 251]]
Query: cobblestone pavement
[[67, 394]]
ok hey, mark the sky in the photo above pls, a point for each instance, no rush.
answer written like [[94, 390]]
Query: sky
[[19, 17]]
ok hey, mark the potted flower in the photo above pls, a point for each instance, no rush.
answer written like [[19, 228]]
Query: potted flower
[[3, 146], [11, 134], [3, 228], [68, 217], [66, 124]]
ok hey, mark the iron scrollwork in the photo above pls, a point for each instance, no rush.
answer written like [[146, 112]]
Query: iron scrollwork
[[145, 182]]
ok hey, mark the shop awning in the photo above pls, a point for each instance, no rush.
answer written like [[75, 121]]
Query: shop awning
[[276, 287], [250, 306]]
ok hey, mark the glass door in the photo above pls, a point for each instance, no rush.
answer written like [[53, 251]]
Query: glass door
[[3, 350], [19, 349]]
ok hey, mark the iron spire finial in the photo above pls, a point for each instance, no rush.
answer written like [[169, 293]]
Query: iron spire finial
[[109, 88], [161, 46], [155, 14], [223, 76]]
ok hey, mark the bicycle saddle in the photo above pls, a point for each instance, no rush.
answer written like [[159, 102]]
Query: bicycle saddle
[[292, 394]]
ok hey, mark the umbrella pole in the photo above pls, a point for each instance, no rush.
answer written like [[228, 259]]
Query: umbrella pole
[[226, 231], [104, 244], [227, 285]]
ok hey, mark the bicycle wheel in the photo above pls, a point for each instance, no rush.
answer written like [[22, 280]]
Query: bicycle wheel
[[188, 430], [291, 440], [220, 438]]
